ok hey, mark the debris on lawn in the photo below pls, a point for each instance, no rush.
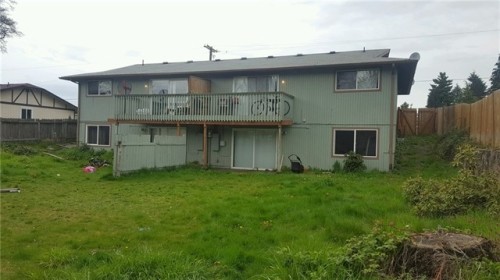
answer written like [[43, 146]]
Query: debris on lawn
[[11, 190], [89, 169], [439, 255], [52, 155], [98, 162]]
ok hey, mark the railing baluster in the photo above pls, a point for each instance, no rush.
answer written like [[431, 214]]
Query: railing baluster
[[229, 107]]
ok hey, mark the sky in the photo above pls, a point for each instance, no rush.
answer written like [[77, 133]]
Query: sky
[[66, 37]]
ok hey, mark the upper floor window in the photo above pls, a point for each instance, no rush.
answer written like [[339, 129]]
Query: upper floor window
[[99, 88], [256, 84], [358, 80], [177, 86], [26, 114]]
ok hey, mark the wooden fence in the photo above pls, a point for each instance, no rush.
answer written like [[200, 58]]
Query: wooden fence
[[416, 122], [480, 119], [29, 130]]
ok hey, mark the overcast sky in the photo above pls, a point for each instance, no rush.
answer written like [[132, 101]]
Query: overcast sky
[[68, 37]]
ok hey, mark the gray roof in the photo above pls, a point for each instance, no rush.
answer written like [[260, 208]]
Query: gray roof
[[270, 63], [4, 87]]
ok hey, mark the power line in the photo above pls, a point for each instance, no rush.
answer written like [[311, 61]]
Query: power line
[[288, 46], [285, 46], [457, 79]]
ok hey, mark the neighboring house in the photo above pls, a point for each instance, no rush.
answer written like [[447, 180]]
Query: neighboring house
[[248, 113], [26, 101]]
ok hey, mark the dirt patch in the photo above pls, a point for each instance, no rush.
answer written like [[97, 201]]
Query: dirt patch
[[438, 255]]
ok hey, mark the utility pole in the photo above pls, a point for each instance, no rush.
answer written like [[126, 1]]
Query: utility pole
[[211, 50]]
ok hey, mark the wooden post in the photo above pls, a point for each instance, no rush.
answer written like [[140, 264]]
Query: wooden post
[[205, 146], [280, 149]]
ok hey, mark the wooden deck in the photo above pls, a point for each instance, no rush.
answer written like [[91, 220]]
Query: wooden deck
[[238, 109]]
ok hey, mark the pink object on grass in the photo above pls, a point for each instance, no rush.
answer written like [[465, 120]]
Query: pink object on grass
[[89, 169]]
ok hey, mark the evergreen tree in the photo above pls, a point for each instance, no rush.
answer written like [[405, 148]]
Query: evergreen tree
[[456, 94], [495, 77], [466, 95], [440, 92], [477, 86], [405, 105]]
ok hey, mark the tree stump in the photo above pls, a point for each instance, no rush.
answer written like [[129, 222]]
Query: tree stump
[[439, 255]]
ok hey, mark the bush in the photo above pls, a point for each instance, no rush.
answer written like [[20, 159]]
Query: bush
[[469, 190], [354, 163], [363, 257], [337, 167], [447, 144], [89, 156], [372, 253], [19, 149]]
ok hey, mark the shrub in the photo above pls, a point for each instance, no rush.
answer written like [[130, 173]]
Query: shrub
[[19, 149], [469, 190], [337, 167], [447, 144], [466, 159], [363, 257], [354, 163], [89, 155], [371, 253]]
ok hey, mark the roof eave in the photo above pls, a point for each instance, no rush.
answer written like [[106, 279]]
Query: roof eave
[[406, 74], [99, 75]]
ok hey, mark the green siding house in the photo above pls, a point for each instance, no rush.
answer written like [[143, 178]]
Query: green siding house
[[248, 113]]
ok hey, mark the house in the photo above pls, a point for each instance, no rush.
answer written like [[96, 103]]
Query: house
[[26, 101], [247, 113]]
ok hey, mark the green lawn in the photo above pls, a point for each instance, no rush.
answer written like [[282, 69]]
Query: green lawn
[[192, 223]]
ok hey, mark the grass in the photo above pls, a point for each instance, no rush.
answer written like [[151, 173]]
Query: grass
[[190, 223]]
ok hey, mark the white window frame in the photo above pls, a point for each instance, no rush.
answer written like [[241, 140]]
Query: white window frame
[[27, 110], [253, 147], [171, 84], [240, 83], [101, 91], [98, 126], [174, 102], [355, 130], [357, 80]]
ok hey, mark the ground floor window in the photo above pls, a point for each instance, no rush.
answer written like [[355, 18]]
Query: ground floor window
[[26, 114], [360, 141], [98, 135]]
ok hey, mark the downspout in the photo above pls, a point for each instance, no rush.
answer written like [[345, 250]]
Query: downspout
[[392, 136], [79, 115]]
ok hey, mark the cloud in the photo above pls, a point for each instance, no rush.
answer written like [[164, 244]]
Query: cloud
[[77, 36]]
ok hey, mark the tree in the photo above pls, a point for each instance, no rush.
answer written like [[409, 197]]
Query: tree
[[466, 95], [405, 105], [456, 93], [440, 92], [495, 77], [476, 85], [8, 28]]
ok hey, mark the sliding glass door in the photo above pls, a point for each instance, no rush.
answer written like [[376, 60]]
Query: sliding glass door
[[254, 149]]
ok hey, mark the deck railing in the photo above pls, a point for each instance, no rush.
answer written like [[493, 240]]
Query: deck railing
[[213, 107]]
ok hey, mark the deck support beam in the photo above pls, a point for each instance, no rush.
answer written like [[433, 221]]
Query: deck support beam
[[205, 146], [280, 147]]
